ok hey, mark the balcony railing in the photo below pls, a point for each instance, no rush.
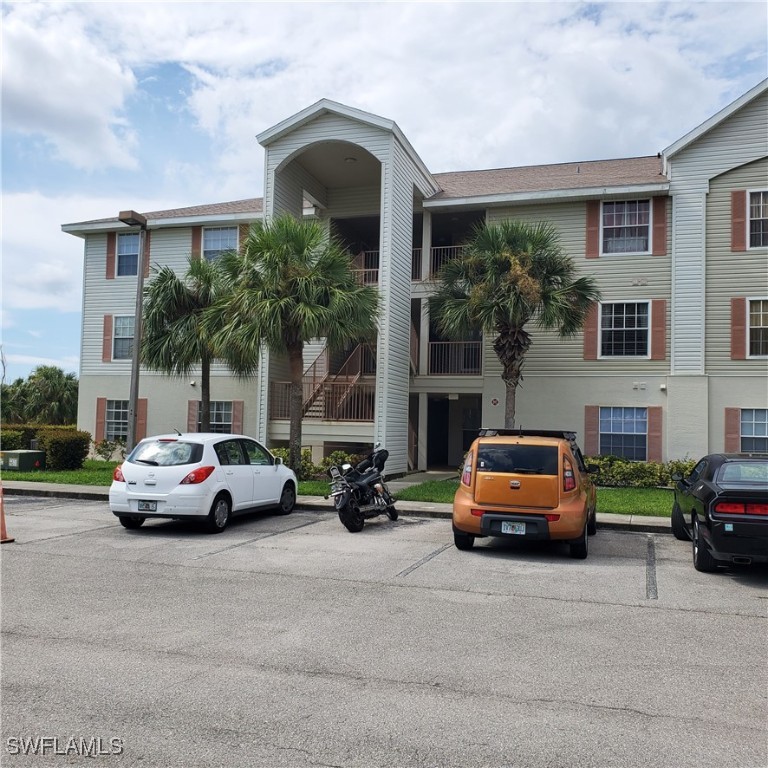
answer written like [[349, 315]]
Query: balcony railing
[[337, 401], [455, 358], [440, 255]]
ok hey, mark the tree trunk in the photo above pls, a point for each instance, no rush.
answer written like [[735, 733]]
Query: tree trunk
[[510, 346], [295, 406], [205, 393]]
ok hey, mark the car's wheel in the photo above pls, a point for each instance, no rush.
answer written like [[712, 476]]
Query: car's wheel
[[391, 513], [351, 517], [463, 541], [218, 517], [579, 548], [702, 557], [592, 522], [678, 523], [132, 521], [287, 499]]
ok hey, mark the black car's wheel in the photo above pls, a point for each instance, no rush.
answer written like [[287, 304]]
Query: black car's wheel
[[351, 517], [132, 521], [592, 522], [463, 541], [287, 499], [702, 557], [678, 523], [579, 548], [392, 513], [218, 517]]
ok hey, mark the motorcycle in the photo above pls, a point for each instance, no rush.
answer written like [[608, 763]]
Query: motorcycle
[[360, 493]]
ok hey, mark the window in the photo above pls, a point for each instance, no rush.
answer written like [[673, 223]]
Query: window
[[122, 340], [626, 226], [221, 416], [758, 328], [217, 240], [624, 329], [116, 420], [127, 253], [624, 433], [256, 453], [758, 219], [754, 430]]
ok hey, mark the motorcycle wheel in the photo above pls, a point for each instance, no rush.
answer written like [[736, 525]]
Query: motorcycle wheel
[[351, 517], [392, 513]]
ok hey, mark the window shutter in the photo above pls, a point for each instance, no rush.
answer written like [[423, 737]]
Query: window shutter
[[654, 433], [739, 220], [111, 249], [237, 417], [659, 329], [147, 248], [197, 242], [106, 342], [193, 408], [591, 334], [141, 419], [593, 229], [732, 430], [659, 247], [101, 418], [591, 430], [242, 233], [738, 328]]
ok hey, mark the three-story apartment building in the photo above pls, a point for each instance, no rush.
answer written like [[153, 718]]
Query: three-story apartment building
[[673, 361]]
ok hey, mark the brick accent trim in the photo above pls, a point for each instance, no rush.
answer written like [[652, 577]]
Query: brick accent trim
[[106, 341], [655, 442], [739, 220], [192, 410], [141, 419], [738, 328], [732, 443], [242, 233], [592, 250], [147, 249], [591, 430], [197, 242], [591, 333], [111, 251], [101, 419], [237, 416], [659, 246], [659, 329]]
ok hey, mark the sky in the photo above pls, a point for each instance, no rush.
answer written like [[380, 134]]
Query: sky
[[148, 106]]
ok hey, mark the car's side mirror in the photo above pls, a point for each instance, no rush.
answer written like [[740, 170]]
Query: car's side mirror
[[278, 460], [593, 469], [676, 476]]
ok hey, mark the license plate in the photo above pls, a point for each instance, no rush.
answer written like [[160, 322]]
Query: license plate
[[147, 506], [518, 529]]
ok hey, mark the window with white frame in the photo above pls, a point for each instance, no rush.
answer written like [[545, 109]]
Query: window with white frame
[[626, 226], [122, 338], [221, 416], [116, 420], [758, 219], [624, 432], [754, 430], [127, 253], [758, 328], [218, 240], [624, 329]]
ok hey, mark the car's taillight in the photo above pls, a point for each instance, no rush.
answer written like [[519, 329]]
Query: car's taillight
[[730, 508], [197, 476], [477, 512], [117, 475], [569, 481], [757, 509], [552, 517], [466, 475]]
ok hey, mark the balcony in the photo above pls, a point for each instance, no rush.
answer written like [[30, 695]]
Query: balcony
[[333, 401], [455, 358]]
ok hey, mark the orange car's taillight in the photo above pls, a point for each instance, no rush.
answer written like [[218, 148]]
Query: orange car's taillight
[[569, 480], [466, 475], [198, 475], [117, 475]]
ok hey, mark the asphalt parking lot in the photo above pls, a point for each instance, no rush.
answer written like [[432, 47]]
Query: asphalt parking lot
[[287, 641]]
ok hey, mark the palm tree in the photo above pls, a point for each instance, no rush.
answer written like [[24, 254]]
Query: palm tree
[[13, 399], [174, 340], [291, 283], [510, 274], [51, 396]]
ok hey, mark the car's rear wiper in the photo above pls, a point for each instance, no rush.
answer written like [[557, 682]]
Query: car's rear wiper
[[529, 470], [147, 461]]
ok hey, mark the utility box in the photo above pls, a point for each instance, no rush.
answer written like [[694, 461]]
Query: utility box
[[22, 461]]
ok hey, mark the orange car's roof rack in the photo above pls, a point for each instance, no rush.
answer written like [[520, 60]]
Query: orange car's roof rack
[[527, 432]]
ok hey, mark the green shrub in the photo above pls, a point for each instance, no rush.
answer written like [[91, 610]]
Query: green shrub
[[307, 468], [107, 450], [28, 433], [65, 448], [12, 440], [613, 471]]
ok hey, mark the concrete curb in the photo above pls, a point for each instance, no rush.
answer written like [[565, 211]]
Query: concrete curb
[[635, 523]]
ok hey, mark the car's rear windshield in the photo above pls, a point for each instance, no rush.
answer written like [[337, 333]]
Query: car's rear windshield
[[751, 472], [518, 459], [166, 453]]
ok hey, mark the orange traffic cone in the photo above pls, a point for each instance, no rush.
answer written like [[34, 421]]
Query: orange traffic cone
[[3, 533]]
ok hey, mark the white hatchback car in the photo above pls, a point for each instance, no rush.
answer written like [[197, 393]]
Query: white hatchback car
[[199, 476]]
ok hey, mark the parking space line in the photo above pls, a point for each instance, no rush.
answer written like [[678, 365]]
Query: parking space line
[[425, 559], [651, 589]]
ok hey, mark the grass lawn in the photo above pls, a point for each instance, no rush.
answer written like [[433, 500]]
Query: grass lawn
[[656, 502]]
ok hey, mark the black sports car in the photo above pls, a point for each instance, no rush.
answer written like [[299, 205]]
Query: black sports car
[[722, 507]]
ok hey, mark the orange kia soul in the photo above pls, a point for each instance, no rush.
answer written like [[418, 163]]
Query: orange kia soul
[[525, 484]]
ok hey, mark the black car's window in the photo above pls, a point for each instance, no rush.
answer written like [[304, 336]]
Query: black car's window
[[229, 452], [166, 453], [697, 472], [256, 454], [750, 472], [519, 459]]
